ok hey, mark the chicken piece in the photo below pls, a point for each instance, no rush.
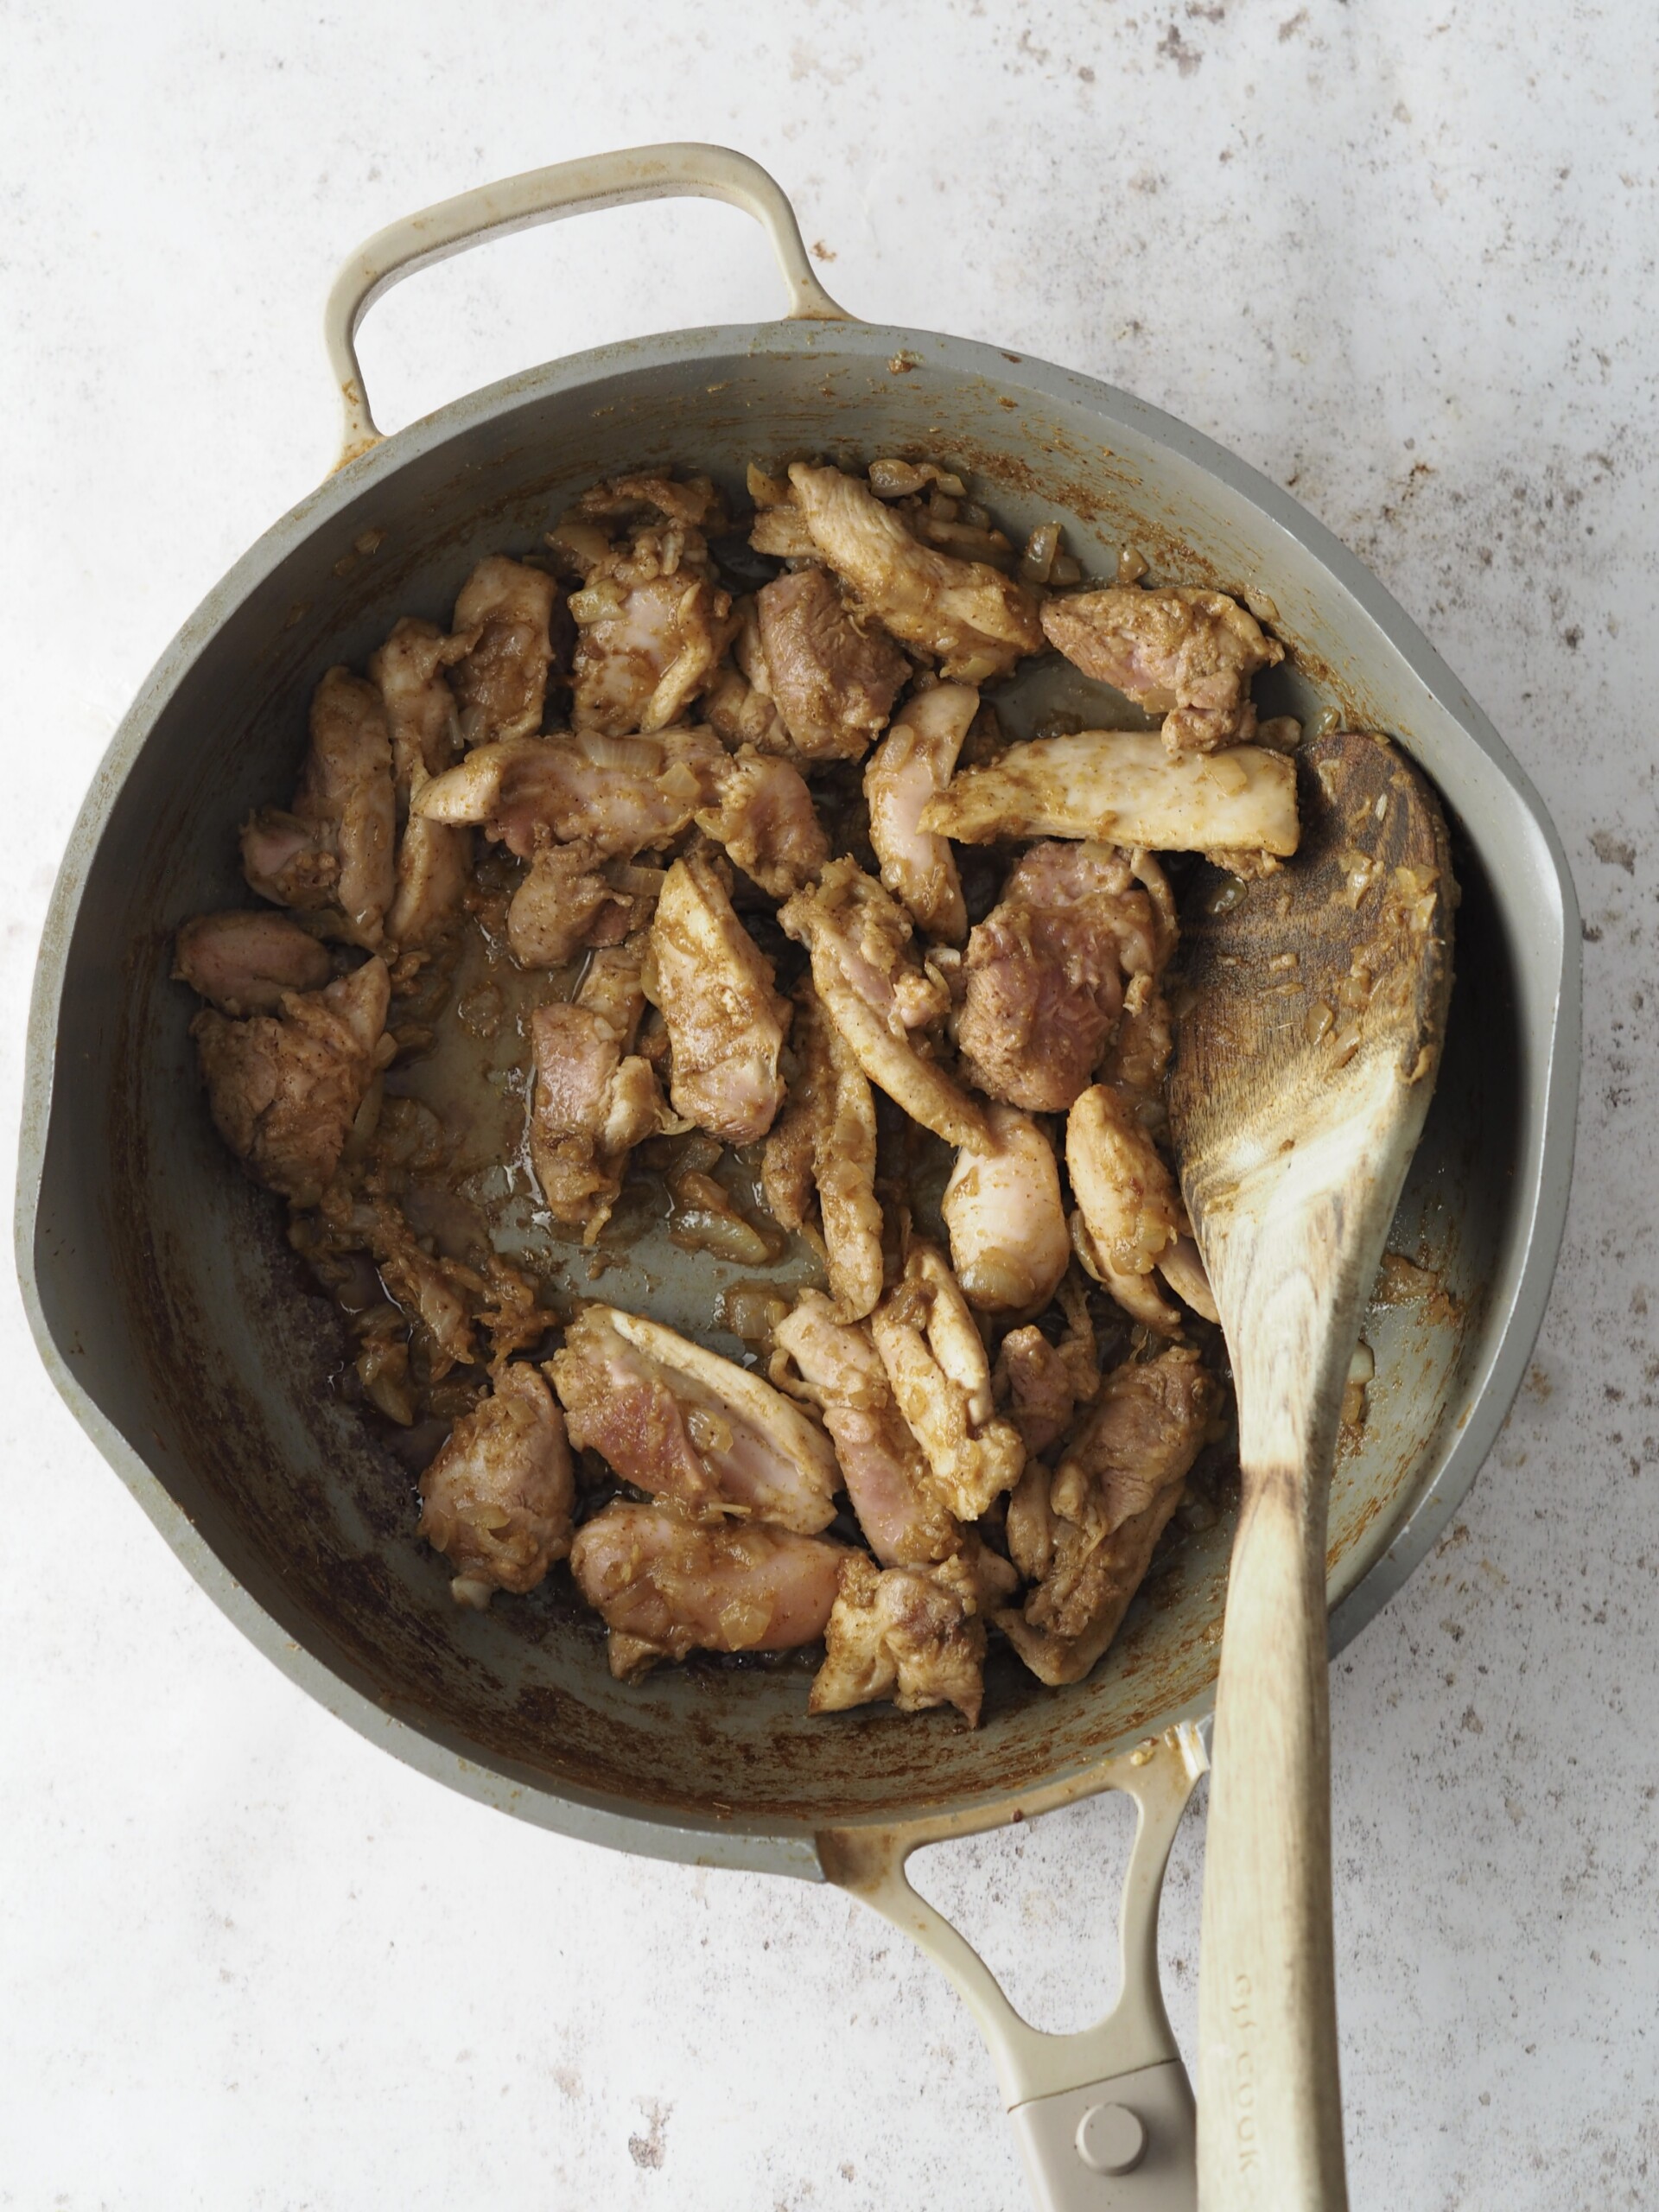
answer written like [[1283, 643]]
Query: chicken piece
[[594, 1097], [335, 849], [497, 1500], [713, 988], [421, 717], [621, 795], [667, 1585], [1131, 1211], [740, 703], [762, 812], [1121, 785], [978, 622], [653, 619], [1008, 1242], [941, 1380], [437, 1296], [245, 960], [683, 1423], [1043, 1383], [566, 901], [912, 1634], [1139, 1051], [881, 1463], [1086, 1536], [285, 1089], [833, 676], [876, 995], [434, 868], [912, 764], [825, 1142], [1044, 973], [500, 683], [1187, 654]]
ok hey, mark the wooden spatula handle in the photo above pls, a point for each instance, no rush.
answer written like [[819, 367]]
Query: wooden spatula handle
[[1269, 2098]]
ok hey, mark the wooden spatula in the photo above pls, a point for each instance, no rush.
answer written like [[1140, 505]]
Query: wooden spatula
[[1311, 1011]]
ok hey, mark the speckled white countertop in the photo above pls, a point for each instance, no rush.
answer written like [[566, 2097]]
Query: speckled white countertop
[[1400, 258]]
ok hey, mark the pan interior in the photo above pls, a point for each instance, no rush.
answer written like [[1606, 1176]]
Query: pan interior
[[167, 1284]]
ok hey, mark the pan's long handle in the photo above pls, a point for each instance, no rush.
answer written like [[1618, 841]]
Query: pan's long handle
[[1104, 2118], [543, 196]]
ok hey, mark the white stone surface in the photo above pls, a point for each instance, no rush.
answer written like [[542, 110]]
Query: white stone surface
[[1400, 258]]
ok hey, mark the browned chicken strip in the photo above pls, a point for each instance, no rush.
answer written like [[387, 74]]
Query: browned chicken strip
[[244, 961], [825, 1143], [941, 1382], [912, 1634], [978, 622], [1187, 654], [1044, 975], [422, 716], [594, 1097], [497, 1500], [653, 619], [874, 991], [566, 901], [666, 1586], [284, 1089], [335, 849], [739, 702], [1008, 1242], [841, 1371], [833, 677], [500, 683], [1085, 1536], [1121, 785], [912, 764], [761, 811], [620, 795], [683, 1423], [1131, 1211], [713, 988]]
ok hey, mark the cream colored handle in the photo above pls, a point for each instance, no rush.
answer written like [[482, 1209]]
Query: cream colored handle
[[1269, 2095], [544, 196], [1075, 2100]]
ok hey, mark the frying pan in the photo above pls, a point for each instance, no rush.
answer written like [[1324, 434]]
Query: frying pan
[[178, 1327]]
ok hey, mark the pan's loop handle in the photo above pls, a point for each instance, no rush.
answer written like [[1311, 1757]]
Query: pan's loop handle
[[1104, 2118], [543, 196]]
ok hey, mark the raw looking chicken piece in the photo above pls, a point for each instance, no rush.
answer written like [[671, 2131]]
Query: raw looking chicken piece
[[680, 1422], [666, 1586], [761, 812], [833, 676], [876, 993], [841, 1372], [497, 1501], [621, 795], [434, 861], [652, 620], [912, 1634], [285, 1089], [1119, 785], [595, 1098], [1085, 1536], [334, 852], [500, 683], [978, 622], [1042, 979], [245, 960], [912, 764], [1185, 653], [572, 896], [739, 703], [825, 1142], [1130, 1218], [726, 1024], [1008, 1244], [941, 1380]]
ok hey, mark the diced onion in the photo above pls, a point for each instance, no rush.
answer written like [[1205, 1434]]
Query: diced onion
[[1037, 561], [637, 756]]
